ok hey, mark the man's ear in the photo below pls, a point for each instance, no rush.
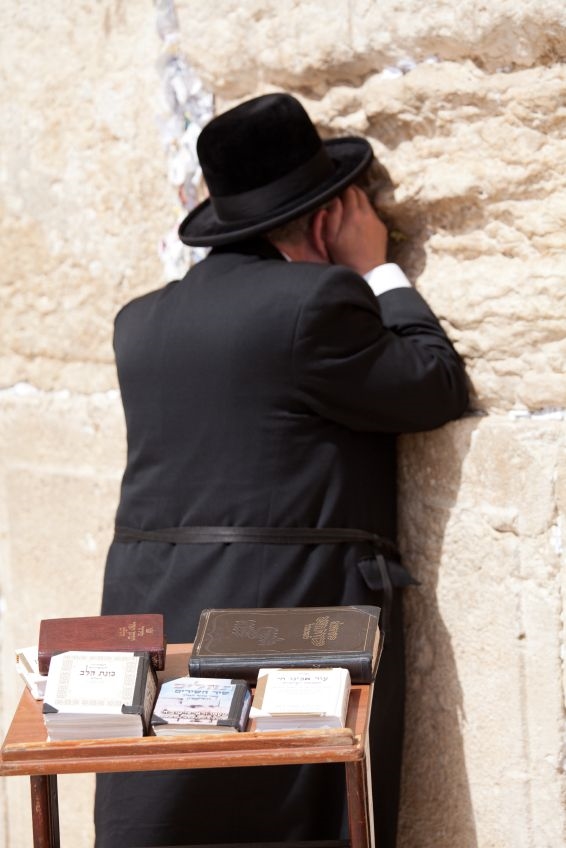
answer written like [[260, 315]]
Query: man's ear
[[317, 234]]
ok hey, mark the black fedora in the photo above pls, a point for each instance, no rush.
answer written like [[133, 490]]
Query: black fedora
[[264, 164]]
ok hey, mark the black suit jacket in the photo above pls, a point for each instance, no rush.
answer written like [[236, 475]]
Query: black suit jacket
[[264, 393], [259, 392]]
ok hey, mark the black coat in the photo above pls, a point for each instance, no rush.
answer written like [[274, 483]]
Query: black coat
[[259, 392]]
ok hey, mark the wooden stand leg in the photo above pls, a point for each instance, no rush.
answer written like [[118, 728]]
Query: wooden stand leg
[[360, 807], [45, 811]]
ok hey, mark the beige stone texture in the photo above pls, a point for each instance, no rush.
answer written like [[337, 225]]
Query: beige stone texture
[[465, 106], [239, 47], [485, 633], [61, 459], [84, 199]]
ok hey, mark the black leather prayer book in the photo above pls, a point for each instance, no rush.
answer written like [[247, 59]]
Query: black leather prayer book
[[238, 642]]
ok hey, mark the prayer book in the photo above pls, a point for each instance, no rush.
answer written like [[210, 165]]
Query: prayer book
[[201, 705], [300, 698], [143, 632], [28, 669], [238, 642], [96, 695]]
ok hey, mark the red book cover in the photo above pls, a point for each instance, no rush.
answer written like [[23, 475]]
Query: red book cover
[[142, 632]]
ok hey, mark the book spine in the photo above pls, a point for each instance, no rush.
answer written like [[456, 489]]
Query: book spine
[[157, 656], [239, 708], [43, 661], [360, 666], [145, 691], [158, 659]]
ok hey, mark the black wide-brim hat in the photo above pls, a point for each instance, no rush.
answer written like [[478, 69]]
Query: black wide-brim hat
[[265, 164]]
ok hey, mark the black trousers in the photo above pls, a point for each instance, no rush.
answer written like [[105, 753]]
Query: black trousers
[[387, 729], [262, 804]]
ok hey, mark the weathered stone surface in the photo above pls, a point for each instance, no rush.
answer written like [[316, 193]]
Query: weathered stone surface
[[465, 107], [485, 709], [61, 468], [84, 200], [316, 45], [60, 465]]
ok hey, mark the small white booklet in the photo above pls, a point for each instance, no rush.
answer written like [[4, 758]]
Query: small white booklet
[[300, 698], [201, 705], [28, 669], [99, 694]]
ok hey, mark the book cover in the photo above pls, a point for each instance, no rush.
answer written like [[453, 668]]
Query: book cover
[[142, 632], [99, 694], [193, 704], [300, 698], [238, 642]]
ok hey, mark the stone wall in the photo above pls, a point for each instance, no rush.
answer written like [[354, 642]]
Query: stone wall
[[465, 105]]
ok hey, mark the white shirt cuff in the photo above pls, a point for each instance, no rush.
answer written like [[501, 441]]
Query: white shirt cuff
[[385, 277]]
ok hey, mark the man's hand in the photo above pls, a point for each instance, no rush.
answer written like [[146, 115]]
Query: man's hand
[[353, 233]]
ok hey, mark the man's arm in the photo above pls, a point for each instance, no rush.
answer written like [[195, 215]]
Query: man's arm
[[371, 363], [375, 364]]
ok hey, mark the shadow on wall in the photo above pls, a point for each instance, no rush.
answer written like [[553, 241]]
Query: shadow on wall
[[437, 807], [407, 233]]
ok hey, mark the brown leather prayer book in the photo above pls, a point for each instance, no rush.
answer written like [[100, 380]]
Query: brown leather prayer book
[[137, 633], [238, 642]]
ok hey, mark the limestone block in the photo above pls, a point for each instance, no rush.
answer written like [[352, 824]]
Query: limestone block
[[85, 432], [61, 464], [84, 198], [479, 523], [312, 45]]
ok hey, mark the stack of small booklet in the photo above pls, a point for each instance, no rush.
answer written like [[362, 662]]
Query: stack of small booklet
[[94, 695], [300, 698], [201, 705]]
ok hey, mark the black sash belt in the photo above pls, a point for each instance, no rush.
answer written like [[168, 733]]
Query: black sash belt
[[381, 547]]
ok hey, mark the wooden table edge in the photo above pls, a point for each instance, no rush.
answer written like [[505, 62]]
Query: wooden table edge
[[26, 751]]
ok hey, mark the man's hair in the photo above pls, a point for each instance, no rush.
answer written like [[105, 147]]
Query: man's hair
[[293, 230]]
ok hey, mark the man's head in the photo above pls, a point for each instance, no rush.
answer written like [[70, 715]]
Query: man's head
[[265, 165]]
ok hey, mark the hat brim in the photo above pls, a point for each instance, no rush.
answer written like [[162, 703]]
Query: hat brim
[[350, 156]]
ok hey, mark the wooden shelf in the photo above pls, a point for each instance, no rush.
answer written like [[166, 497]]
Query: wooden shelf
[[26, 750]]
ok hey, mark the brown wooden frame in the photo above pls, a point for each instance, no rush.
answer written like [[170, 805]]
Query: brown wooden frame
[[26, 751]]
